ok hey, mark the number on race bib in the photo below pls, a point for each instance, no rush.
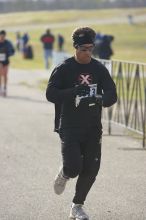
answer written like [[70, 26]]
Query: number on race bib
[[93, 90]]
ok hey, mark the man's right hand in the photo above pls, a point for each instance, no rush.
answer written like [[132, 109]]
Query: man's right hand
[[82, 90]]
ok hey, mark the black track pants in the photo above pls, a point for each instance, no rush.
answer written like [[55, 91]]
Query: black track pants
[[81, 153]]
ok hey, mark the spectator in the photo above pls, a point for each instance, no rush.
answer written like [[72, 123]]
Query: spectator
[[130, 19], [47, 40], [6, 50], [23, 42], [18, 41], [60, 42], [25, 38], [28, 52], [98, 40], [105, 51]]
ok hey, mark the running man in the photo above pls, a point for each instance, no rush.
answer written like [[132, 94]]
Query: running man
[[6, 50], [79, 87]]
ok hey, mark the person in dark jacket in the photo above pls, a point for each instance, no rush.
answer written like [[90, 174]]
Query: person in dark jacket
[[105, 50], [6, 50], [28, 52], [24, 40], [61, 41], [79, 87], [47, 40]]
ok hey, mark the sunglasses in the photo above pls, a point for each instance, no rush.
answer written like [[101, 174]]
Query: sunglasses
[[84, 48]]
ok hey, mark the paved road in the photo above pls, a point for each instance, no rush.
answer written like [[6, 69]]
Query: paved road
[[30, 157]]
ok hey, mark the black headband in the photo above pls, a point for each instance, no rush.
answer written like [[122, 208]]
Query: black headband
[[2, 32], [83, 39]]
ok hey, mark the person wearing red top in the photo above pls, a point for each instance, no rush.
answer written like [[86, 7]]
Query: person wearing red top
[[47, 40]]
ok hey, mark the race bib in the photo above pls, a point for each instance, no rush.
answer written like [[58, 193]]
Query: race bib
[[2, 56], [93, 90], [92, 93]]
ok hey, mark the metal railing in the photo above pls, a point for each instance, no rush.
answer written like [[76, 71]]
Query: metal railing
[[130, 109]]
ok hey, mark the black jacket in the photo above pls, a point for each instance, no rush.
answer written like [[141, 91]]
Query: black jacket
[[7, 50], [73, 111]]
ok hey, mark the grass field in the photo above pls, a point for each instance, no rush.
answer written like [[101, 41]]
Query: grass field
[[129, 43]]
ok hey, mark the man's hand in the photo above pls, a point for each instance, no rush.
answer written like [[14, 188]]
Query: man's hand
[[82, 90], [99, 99]]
